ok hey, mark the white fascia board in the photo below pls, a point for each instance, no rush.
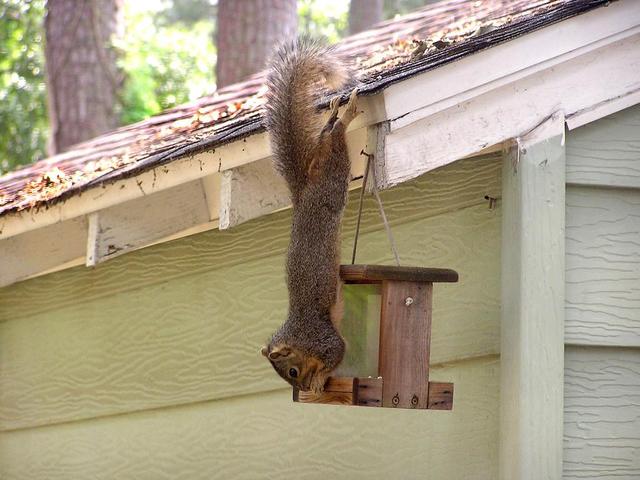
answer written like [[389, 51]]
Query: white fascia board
[[42, 250], [122, 228], [213, 162], [471, 76], [603, 76], [160, 178]]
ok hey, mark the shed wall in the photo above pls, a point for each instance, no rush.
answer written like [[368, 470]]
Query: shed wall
[[602, 325], [148, 366]]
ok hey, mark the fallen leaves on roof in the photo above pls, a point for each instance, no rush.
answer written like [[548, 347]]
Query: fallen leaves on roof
[[377, 53]]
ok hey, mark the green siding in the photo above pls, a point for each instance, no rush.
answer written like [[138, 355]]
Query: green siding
[[602, 326], [148, 366]]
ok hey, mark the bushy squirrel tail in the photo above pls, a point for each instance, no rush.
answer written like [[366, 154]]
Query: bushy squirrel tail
[[298, 72]]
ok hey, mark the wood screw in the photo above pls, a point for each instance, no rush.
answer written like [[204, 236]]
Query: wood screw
[[408, 301]]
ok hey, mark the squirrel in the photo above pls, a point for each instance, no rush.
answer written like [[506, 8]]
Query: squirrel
[[312, 157]]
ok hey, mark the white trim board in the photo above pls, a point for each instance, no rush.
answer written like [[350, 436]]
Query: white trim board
[[532, 326], [602, 75], [183, 170], [472, 76]]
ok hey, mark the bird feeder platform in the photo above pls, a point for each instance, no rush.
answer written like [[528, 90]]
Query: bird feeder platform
[[403, 347]]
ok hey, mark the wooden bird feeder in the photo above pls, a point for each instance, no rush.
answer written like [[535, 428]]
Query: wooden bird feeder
[[387, 365]]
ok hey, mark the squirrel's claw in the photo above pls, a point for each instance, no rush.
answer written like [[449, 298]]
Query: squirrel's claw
[[333, 105], [351, 110]]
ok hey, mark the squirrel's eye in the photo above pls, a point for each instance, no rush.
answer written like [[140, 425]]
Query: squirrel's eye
[[293, 372]]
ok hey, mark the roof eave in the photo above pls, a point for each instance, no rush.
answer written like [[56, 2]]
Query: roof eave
[[405, 124]]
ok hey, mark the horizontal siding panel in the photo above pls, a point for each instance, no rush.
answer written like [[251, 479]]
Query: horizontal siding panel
[[259, 436], [451, 188], [602, 413], [602, 267], [197, 337], [607, 151]]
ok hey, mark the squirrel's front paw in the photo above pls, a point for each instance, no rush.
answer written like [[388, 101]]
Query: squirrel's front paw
[[351, 110], [318, 382], [333, 107]]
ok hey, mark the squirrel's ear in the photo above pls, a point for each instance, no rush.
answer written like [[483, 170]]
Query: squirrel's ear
[[279, 351], [265, 351]]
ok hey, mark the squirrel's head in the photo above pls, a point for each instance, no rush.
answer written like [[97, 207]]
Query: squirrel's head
[[304, 372]]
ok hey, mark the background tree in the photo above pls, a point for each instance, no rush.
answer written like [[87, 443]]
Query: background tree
[[23, 117], [363, 14], [326, 19], [82, 74], [186, 12], [247, 32], [167, 56]]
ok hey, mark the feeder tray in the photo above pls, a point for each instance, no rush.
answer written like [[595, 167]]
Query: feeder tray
[[404, 343]]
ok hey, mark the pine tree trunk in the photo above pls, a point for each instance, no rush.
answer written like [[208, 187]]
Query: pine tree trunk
[[247, 33], [363, 14], [82, 76]]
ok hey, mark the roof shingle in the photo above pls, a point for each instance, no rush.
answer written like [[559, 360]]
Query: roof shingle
[[391, 51]]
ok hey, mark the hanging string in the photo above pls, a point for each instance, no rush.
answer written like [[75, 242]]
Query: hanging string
[[374, 188], [364, 186]]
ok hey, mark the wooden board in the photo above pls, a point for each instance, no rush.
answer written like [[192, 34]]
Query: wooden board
[[440, 396], [379, 273], [405, 340], [26, 254], [337, 391], [366, 392], [125, 227]]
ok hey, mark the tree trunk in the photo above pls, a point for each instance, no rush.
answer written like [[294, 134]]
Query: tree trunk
[[82, 76], [247, 33], [363, 14]]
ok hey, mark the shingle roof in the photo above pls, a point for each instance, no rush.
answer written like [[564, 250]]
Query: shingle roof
[[391, 51]]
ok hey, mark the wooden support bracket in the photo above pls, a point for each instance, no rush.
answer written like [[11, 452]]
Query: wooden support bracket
[[368, 392]]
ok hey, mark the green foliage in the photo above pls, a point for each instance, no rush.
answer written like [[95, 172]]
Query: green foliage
[[23, 117], [187, 12], [165, 64], [327, 19]]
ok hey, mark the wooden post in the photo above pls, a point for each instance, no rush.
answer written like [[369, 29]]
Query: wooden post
[[405, 339]]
